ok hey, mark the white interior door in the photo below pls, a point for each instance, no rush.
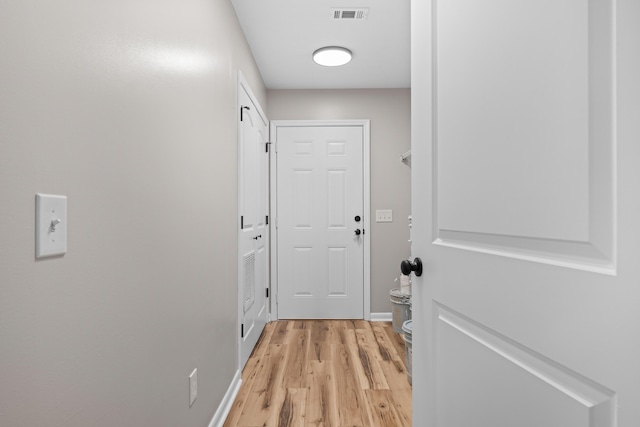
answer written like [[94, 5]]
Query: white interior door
[[526, 208], [253, 207], [320, 220]]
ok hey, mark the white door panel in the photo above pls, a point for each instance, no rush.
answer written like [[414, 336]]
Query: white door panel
[[254, 234], [525, 207], [320, 192]]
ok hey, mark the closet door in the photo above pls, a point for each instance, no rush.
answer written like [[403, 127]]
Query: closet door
[[254, 232]]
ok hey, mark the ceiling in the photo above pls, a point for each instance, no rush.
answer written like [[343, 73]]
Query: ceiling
[[283, 34]]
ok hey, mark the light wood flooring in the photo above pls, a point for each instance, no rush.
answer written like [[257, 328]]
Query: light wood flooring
[[325, 373]]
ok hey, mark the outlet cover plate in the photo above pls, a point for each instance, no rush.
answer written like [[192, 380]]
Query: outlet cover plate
[[51, 225], [193, 387]]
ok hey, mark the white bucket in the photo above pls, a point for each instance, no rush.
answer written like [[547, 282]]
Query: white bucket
[[400, 304], [407, 328]]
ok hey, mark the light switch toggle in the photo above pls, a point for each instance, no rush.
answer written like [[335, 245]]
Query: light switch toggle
[[54, 222]]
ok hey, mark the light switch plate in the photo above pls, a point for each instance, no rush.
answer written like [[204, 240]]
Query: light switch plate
[[51, 225], [384, 215]]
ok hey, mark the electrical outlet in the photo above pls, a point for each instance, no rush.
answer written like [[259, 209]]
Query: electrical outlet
[[384, 215], [193, 387]]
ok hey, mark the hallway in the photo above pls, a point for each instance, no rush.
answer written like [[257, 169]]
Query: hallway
[[325, 373]]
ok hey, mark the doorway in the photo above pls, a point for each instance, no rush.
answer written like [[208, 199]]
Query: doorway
[[321, 210], [253, 235]]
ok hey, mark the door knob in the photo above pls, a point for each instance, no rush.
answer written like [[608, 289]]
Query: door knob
[[257, 237], [358, 232], [407, 267]]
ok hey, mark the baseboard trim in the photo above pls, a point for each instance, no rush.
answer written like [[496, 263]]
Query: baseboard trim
[[227, 401], [381, 317]]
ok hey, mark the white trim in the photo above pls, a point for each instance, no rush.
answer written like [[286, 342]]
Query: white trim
[[366, 172], [382, 317], [273, 221], [239, 310], [227, 401], [366, 159], [244, 84]]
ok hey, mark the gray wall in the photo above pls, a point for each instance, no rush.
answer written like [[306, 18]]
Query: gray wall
[[129, 109], [390, 112]]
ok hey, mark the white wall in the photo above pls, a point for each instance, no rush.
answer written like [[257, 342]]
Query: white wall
[[129, 109], [390, 113]]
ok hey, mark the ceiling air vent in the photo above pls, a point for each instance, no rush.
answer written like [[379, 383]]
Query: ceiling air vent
[[354, 14]]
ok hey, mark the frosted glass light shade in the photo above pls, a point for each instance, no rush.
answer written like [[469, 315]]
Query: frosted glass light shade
[[332, 56]]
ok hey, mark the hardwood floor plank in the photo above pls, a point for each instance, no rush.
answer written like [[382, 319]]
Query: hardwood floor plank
[[322, 406], [381, 410], [396, 339], [395, 374], [324, 334], [248, 375], [356, 324], [365, 365], [351, 347], [251, 368], [385, 349], [327, 331], [320, 350], [280, 333], [335, 335], [401, 400], [266, 393], [263, 342], [352, 408], [369, 361], [300, 324], [292, 412], [296, 369]]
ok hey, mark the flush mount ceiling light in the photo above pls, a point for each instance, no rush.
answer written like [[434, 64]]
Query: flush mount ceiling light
[[332, 56]]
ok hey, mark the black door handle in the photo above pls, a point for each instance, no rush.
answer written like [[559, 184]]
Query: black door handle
[[407, 267], [257, 237], [358, 232]]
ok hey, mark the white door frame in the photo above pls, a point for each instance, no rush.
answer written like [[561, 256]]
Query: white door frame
[[243, 85], [366, 179]]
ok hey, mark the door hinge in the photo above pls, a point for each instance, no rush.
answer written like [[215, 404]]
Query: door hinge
[[267, 292], [242, 330], [241, 222], [242, 108], [266, 220]]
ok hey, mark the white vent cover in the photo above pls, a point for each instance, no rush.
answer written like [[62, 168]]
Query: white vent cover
[[349, 14], [249, 291]]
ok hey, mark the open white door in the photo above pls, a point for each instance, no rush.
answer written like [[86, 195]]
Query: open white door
[[526, 213], [253, 187]]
